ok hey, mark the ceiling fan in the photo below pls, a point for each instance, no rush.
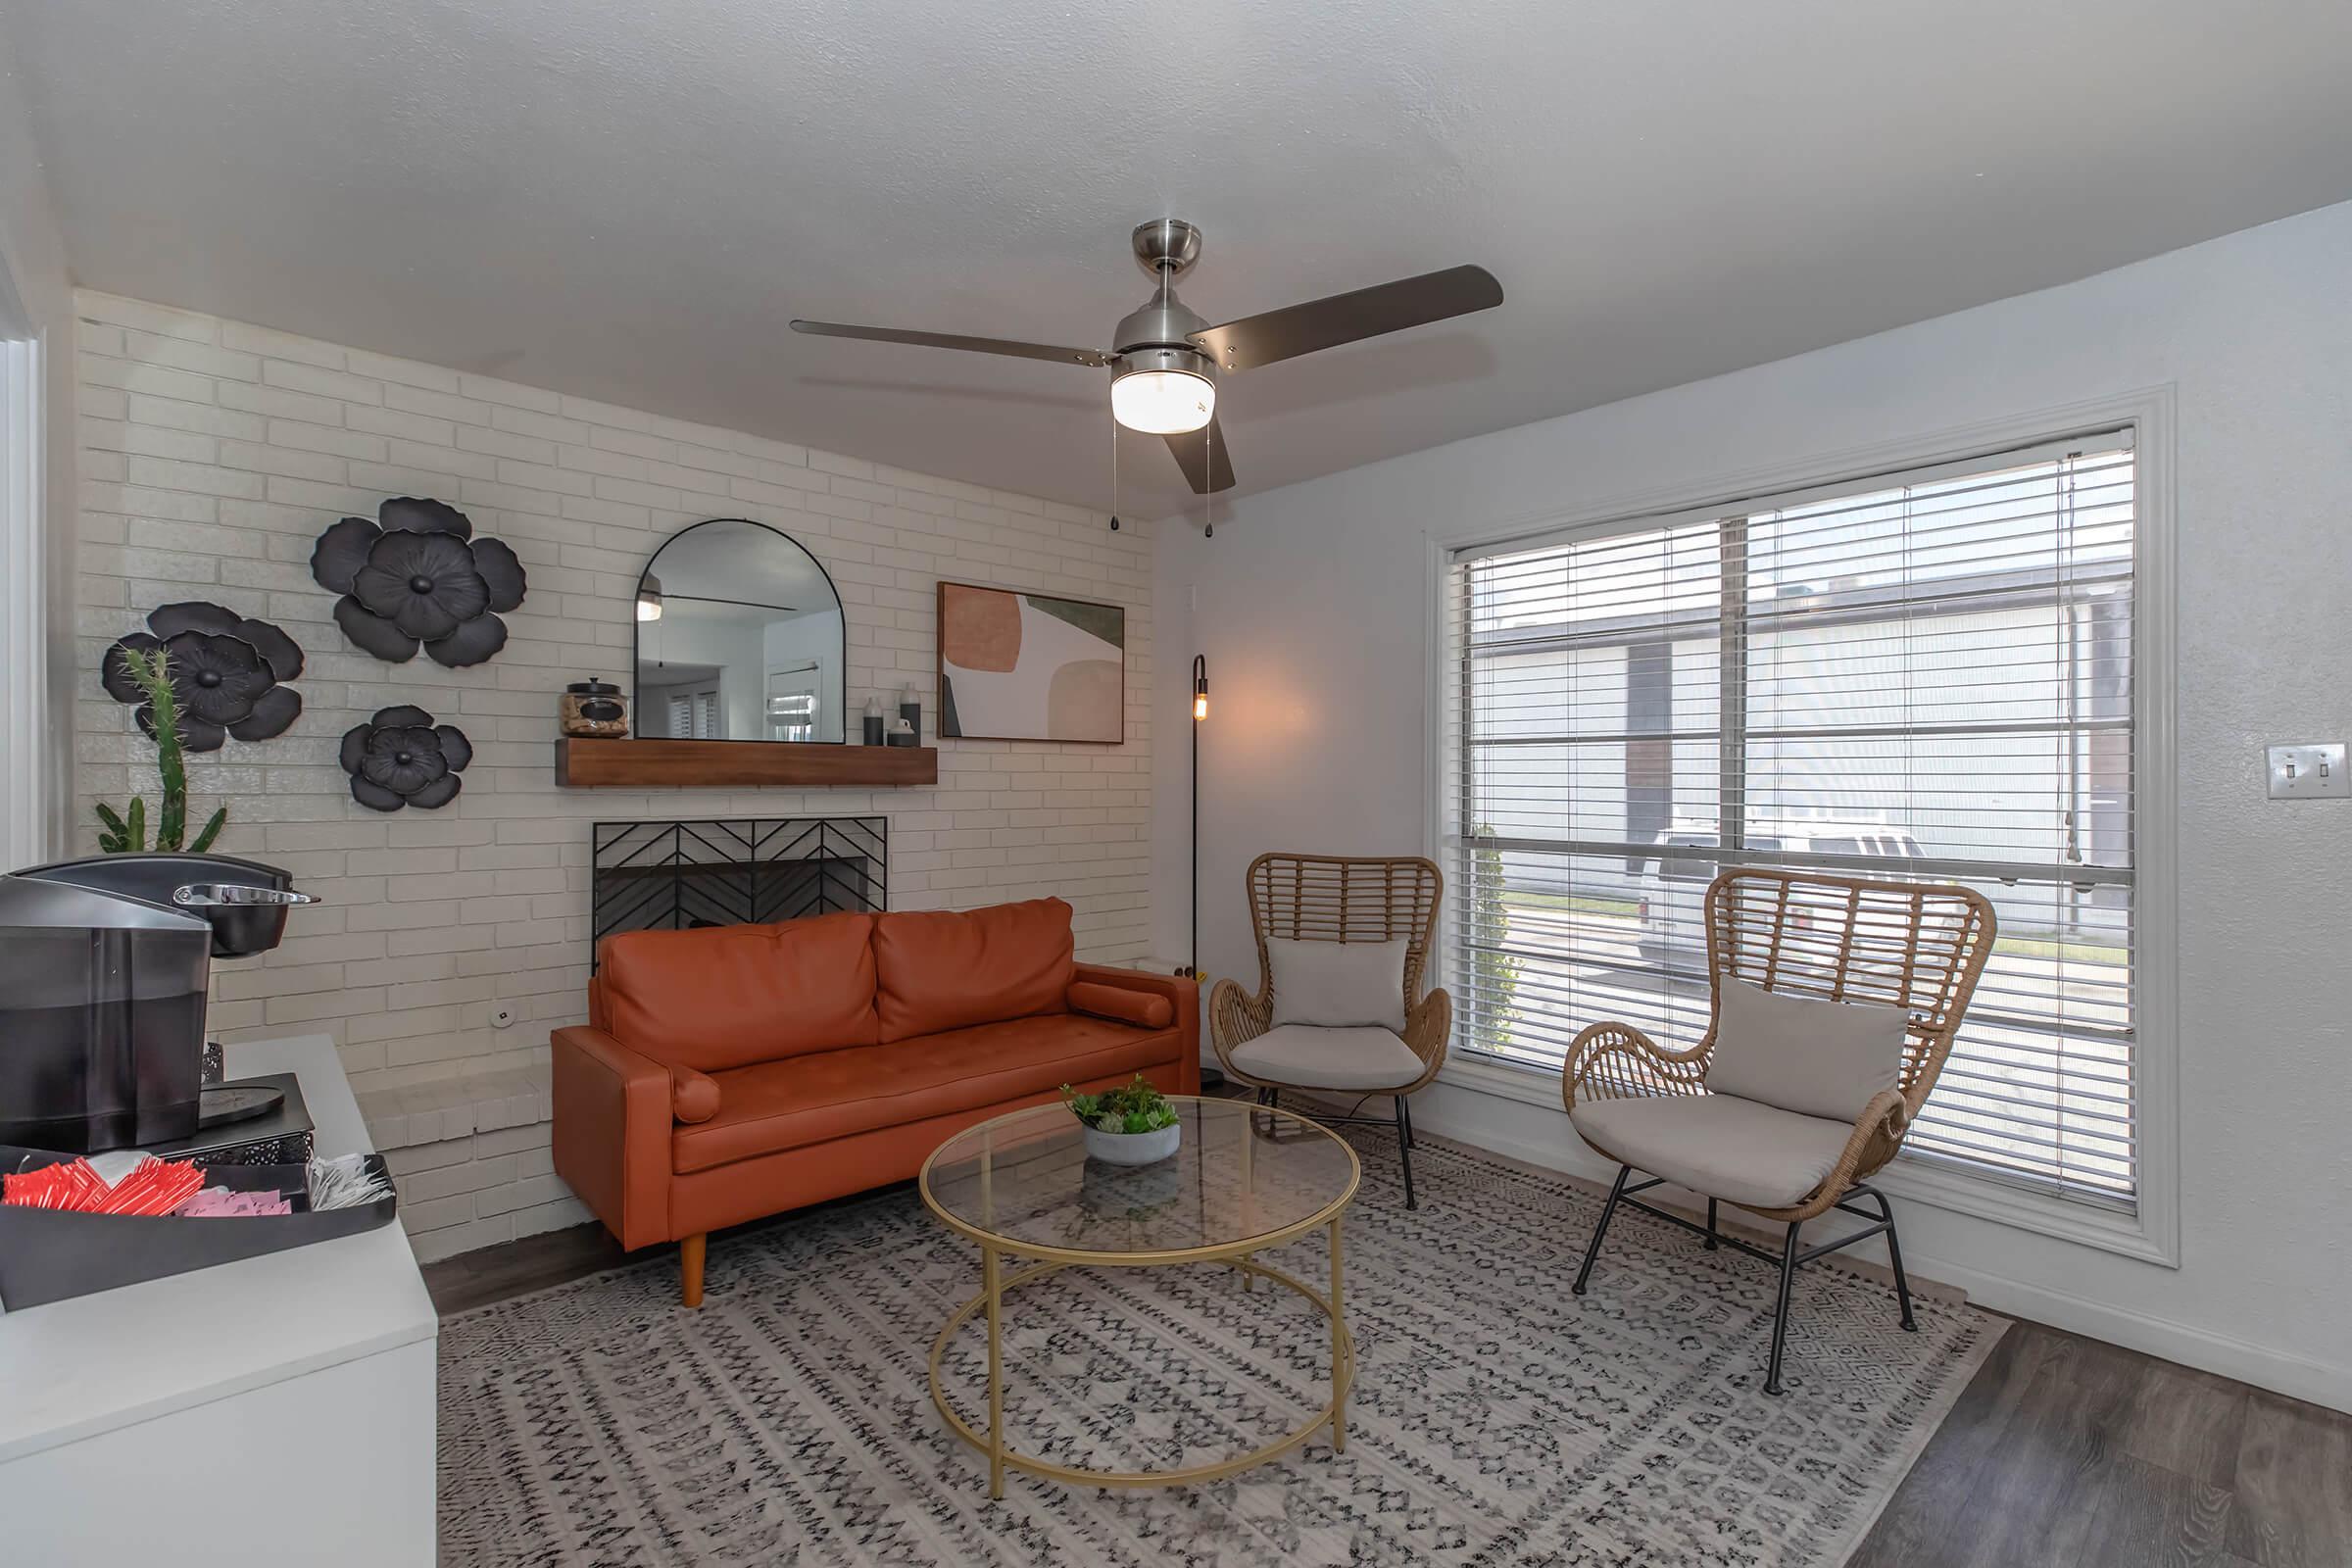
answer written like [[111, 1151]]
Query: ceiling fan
[[1164, 359]]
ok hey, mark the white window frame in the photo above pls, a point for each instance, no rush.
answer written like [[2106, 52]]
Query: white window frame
[[2151, 1232], [24, 749]]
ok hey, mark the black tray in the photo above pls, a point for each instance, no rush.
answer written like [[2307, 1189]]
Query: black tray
[[281, 1137], [52, 1256]]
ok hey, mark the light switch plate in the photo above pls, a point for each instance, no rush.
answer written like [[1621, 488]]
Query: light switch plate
[[2302, 773]]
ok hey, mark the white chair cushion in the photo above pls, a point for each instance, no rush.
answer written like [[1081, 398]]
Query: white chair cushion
[[1307, 1057], [1336, 984], [1745, 1152], [1808, 1055]]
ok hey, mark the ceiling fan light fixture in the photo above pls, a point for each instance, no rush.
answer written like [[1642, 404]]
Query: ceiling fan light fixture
[[1165, 359], [1163, 401]]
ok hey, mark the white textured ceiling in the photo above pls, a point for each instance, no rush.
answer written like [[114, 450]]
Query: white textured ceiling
[[628, 199]]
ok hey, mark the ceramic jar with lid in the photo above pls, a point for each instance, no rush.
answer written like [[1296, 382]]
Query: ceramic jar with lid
[[593, 710]]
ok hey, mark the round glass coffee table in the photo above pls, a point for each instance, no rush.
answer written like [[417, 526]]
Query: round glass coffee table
[[1243, 1180]]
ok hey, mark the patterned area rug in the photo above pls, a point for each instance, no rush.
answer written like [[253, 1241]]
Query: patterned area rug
[[1497, 1420]]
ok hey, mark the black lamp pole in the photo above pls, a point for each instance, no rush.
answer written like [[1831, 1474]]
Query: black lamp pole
[[1200, 716]]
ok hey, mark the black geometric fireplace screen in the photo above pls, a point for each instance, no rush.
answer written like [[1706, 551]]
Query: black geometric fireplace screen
[[673, 876]]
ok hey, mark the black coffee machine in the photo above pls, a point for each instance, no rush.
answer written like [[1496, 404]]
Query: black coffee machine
[[104, 967]]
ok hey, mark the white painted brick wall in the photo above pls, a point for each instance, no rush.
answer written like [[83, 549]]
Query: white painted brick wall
[[212, 454]]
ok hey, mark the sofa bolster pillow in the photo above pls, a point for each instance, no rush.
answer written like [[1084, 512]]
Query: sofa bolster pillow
[[1146, 1009], [692, 1096]]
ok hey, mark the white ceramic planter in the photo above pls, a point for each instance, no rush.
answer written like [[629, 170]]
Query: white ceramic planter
[[1132, 1149]]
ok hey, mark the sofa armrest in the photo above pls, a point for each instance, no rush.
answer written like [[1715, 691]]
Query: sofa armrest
[[612, 1121], [1181, 991]]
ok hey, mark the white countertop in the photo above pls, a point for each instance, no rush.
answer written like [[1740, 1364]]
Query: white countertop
[[71, 1369]]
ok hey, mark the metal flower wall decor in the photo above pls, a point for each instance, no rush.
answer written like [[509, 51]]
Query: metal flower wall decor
[[416, 575], [402, 758], [228, 673]]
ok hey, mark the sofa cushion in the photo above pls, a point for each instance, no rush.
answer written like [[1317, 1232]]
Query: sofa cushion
[[1301, 1054], [941, 969], [728, 995], [1146, 1009], [835, 1094], [1724, 1147], [1808, 1055]]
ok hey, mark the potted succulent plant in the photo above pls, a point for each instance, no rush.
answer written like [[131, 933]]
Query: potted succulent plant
[[1134, 1124]]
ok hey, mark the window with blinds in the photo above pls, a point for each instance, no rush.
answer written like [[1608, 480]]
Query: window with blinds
[[1921, 675], [694, 716]]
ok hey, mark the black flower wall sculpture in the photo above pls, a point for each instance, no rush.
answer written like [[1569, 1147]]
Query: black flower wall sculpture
[[402, 758], [416, 575], [227, 671]]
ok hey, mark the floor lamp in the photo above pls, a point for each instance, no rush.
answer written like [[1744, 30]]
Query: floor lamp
[[1192, 967], [1199, 717]]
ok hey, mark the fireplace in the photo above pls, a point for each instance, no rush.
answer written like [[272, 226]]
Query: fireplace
[[674, 876]]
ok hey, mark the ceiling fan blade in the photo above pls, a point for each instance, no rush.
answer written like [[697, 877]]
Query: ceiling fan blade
[[1337, 319], [1207, 466], [950, 340]]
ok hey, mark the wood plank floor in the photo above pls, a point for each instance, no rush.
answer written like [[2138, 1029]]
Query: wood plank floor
[[2064, 1453], [2070, 1451]]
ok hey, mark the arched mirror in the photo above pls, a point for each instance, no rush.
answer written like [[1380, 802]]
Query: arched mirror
[[739, 638]]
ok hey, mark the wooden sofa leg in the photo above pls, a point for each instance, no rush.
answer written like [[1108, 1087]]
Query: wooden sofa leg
[[690, 1266]]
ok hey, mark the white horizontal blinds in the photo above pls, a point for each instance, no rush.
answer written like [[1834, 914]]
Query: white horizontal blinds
[[1951, 658], [694, 715], [1586, 715], [1926, 675]]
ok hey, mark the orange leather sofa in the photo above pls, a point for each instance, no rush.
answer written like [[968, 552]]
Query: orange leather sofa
[[736, 1071]]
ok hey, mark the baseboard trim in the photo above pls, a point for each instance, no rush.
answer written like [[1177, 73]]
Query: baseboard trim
[[2164, 1338]]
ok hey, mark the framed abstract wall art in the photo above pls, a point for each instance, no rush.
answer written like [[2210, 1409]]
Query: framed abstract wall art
[[1020, 667]]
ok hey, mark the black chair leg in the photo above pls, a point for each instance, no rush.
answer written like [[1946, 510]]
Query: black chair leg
[[1405, 1151], [1779, 1322], [1712, 1244], [1593, 1248], [1894, 1256]]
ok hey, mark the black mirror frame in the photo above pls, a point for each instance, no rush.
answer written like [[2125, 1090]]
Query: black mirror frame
[[841, 679]]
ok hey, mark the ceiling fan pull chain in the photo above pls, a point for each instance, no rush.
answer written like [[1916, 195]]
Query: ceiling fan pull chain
[[1208, 436]]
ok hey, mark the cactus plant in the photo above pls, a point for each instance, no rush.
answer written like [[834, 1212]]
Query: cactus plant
[[126, 832]]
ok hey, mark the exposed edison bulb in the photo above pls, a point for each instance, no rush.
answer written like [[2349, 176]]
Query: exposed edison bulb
[[1163, 401], [1201, 706]]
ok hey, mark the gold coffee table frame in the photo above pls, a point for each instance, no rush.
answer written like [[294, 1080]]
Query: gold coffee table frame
[[993, 1283]]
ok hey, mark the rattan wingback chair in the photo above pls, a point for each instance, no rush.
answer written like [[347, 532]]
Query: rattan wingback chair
[[1910, 945], [1313, 898]]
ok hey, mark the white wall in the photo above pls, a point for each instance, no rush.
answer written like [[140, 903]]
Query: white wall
[[214, 452], [1310, 603], [32, 262], [814, 637], [730, 641]]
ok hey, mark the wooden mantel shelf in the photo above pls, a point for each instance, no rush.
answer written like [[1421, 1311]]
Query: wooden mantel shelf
[[740, 764]]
